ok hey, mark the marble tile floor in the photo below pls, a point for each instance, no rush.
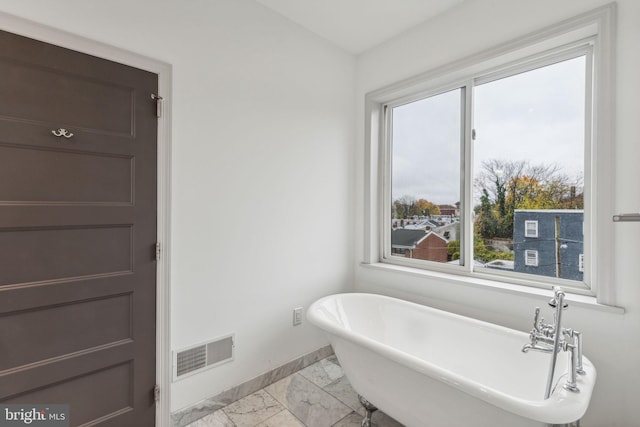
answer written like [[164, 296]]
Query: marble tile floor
[[317, 396]]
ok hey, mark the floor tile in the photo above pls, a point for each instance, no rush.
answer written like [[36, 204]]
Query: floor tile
[[379, 419], [317, 396], [282, 419], [217, 419], [351, 420], [253, 409], [186, 418], [341, 389], [308, 402], [323, 372]]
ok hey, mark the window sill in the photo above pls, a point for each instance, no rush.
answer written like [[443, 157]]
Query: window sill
[[501, 287]]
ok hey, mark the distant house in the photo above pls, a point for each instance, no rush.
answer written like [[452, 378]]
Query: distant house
[[449, 231], [419, 223], [425, 225], [419, 244], [549, 243], [447, 210]]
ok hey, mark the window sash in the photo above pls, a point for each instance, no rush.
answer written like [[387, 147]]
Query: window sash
[[385, 232], [584, 47], [600, 24]]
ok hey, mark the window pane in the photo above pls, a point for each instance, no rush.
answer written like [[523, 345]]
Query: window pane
[[529, 171], [425, 178]]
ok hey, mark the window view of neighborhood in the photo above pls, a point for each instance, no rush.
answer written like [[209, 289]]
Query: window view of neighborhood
[[527, 174]]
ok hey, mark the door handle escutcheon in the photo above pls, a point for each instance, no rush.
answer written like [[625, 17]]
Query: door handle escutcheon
[[62, 132]]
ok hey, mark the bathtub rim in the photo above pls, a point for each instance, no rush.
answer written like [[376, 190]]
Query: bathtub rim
[[561, 407]]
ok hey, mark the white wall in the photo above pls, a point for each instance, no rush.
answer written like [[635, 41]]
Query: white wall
[[263, 129], [612, 341]]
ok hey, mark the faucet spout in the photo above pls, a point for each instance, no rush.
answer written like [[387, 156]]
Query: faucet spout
[[527, 347]]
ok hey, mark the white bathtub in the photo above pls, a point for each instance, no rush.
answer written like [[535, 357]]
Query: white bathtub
[[427, 367]]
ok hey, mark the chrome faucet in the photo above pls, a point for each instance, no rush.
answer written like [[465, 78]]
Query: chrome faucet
[[552, 338]]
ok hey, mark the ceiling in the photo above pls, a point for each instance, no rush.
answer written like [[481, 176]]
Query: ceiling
[[358, 25]]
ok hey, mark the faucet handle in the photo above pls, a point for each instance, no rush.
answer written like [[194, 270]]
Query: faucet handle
[[535, 320], [558, 296], [554, 303]]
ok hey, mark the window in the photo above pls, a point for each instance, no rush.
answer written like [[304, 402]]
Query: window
[[531, 229], [426, 154], [495, 155], [528, 142], [531, 258]]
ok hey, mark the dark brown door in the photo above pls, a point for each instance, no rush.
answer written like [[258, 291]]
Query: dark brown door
[[77, 233]]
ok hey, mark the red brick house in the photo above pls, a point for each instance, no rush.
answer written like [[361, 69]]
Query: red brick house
[[419, 244]]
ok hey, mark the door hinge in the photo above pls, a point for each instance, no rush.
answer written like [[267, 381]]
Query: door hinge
[[158, 100], [156, 393], [158, 251], [473, 134]]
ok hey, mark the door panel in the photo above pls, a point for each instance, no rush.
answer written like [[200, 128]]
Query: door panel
[[26, 85], [64, 253], [107, 178], [84, 394], [77, 233], [50, 326]]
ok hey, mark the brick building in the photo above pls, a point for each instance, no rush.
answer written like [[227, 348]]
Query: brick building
[[419, 244]]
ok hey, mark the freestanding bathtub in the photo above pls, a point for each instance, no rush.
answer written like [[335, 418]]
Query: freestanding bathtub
[[427, 367]]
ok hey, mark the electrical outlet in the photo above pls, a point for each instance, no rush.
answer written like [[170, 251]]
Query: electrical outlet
[[297, 316]]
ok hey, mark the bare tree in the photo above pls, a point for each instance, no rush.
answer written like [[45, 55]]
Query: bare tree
[[404, 206]]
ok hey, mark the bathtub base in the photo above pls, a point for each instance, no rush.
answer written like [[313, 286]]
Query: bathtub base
[[369, 409], [432, 403]]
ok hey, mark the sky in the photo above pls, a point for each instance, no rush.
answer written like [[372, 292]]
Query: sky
[[536, 116]]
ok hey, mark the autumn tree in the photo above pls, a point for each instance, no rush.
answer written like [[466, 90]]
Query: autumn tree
[[509, 185], [407, 206], [424, 207], [487, 223]]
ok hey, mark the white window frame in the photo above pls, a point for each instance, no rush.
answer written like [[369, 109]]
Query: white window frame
[[593, 30], [531, 258], [534, 232]]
